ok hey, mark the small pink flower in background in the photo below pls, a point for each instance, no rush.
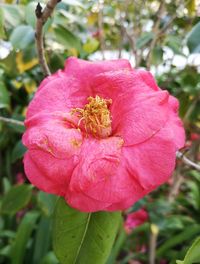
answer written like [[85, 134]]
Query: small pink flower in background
[[101, 134], [194, 136], [20, 178], [135, 219]]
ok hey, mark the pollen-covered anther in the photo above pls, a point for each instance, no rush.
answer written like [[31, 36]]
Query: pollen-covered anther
[[95, 117]]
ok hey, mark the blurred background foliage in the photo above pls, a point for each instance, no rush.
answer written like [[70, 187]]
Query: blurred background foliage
[[162, 36]]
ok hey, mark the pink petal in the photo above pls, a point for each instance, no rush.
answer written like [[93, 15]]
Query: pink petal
[[84, 203], [138, 119], [152, 161], [101, 173], [85, 71], [61, 94], [53, 136], [124, 81], [48, 173]]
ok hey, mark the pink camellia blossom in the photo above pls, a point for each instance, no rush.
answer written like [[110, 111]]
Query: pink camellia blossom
[[101, 134], [135, 219]]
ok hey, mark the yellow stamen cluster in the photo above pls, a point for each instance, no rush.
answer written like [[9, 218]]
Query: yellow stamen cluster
[[95, 115]]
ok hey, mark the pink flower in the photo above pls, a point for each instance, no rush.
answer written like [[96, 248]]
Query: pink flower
[[101, 134], [135, 219]]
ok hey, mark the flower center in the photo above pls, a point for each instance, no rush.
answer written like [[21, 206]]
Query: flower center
[[95, 117]]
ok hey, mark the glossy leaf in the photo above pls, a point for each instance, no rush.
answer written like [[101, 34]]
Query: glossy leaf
[[22, 36], [193, 39], [83, 237], [193, 253], [67, 38], [19, 245], [16, 198], [4, 96], [18, 151]]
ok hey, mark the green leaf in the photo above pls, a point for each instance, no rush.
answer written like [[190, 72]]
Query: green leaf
[[193, 39], [144, 39], [2, 31], [13, 14], [16, 198], [157, 56], [83, 237], [42, 240], [4, 96], [193, 253], [50, 258], [67, 38], [187, 234], [91, 45], [46, 202], [19, 245], [22, 36], [18, 151]]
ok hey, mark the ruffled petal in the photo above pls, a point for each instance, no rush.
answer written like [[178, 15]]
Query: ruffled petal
[[62, 94], [152, 161], [101, 173], [124, 81], [48, 173], [84, 203], [85, 71], [52, 136], [138, 119]]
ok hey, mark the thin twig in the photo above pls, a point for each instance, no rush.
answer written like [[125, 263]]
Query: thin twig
[[42, 17], [100, 28], [155, 30], [187, 161], [11, 121], [178, 179]]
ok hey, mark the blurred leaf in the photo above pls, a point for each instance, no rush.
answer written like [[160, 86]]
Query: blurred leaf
[[174, 42], [83, 237], [50, 258], [67, 38], [2, 31], [46, 202], [13, 14], [183, 236], [22, 36], [18, 151], [73, 3], [91, 45], [4, 96], [18, 247], [24, 66], [157, 56], [16, 198], [144, 39], [42, 240], [191, 7], [193, 39], [193, 253]]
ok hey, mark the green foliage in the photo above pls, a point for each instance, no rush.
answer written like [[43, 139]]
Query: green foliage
[[193, 254], [16, 198], [73, 30], [88, 237], [193, 39]]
